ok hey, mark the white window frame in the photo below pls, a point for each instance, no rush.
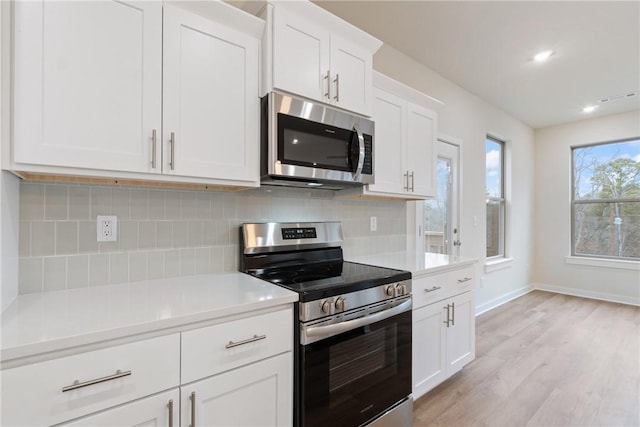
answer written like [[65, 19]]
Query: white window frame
[[591, 259], [501, 260]]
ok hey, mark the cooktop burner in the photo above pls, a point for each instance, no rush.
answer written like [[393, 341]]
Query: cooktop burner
[[343, 277]]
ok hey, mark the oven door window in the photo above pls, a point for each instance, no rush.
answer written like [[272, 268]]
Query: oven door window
[[352, 378], [306, 143]]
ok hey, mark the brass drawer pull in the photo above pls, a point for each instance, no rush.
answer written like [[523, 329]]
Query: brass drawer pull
[[247, 341], [77, 384]]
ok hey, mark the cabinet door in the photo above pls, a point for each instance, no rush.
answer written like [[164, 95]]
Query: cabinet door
[[87, 83], [301, 56], [429, 348], [389, 113], [211, 103], [421, 149], [461, 347], [152, 411], [259, 394], [351, 76]]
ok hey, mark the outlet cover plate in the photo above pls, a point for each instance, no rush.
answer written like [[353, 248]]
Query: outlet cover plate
[[107, 228]]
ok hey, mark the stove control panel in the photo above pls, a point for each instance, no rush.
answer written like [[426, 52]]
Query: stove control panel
[[339, 304], [299, 233]]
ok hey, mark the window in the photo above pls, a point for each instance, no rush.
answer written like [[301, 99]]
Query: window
[[605, 203], [495, 197], [441, 231]]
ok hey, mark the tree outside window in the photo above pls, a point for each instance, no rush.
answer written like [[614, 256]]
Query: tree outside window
[[606, 200]]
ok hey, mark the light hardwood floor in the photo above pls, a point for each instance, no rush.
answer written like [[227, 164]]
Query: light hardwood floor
[[543, 360]]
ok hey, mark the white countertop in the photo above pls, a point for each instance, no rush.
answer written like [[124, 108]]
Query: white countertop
[[417, 263], [38, 323]]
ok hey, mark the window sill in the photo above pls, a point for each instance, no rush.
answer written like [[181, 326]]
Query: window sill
[[497, 264], [602, 262]]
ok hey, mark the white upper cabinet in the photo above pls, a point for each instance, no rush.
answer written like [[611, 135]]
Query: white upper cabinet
[[87, 83], [107, 89], [211, 110], [404, 142], [312, 53]]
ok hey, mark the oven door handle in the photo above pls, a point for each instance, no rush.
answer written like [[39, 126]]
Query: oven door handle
[[320, 332]]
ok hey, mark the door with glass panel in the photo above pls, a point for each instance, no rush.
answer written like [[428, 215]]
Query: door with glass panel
[[441, 222]]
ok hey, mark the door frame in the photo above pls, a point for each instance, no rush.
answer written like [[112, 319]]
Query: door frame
[[415, 210]]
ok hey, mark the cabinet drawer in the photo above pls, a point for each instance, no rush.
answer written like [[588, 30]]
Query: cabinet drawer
[[39, 394], [214, 349], [428, 289], [461, 280]]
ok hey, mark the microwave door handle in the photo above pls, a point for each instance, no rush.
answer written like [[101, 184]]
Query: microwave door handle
[[358, 170]]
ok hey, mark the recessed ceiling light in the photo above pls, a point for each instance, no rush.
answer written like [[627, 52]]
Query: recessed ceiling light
[[589, 108], [543, 56]]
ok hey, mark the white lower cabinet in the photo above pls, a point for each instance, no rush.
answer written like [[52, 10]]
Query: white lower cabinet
[[240, 374], [258, 394], [443, 327], [159, 410]]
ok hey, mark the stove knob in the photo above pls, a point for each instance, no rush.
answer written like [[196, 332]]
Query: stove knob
[[341, 304], [401, 289], [326, 306], [390, 291]]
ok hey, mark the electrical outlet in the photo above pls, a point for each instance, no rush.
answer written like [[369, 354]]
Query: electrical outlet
[[373, 223], [107, 226]]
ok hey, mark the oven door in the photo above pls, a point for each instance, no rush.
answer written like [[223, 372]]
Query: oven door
[[351, 378]]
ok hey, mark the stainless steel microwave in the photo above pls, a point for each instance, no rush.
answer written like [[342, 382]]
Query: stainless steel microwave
[[308, 144]]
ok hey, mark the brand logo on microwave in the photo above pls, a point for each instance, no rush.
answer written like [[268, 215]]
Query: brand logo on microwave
[[330, 131]]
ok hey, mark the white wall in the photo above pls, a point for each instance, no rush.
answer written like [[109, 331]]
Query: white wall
[[469, 118], [9, 188], [553, 211]]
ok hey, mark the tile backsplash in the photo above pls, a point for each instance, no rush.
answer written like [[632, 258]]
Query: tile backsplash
[[172, 233]]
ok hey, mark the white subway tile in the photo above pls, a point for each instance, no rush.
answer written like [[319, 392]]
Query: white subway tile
[[119, 267], [146, 234], [139, 204], [31, 201], [137, 266], [155, 265], [98, 269], [77, 271], [42, 238], [56, 202], [30, 275], [79, 202], [100, 201], [172, 263], [55, 273], [66, 237]]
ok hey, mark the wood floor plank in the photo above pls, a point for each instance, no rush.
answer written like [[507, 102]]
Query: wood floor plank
[[545, 360]]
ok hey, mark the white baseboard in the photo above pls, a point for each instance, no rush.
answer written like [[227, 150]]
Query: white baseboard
[[587, 294], [483, 308]]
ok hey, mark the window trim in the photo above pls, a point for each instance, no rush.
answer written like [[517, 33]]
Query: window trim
[[502, 255], [592, 259]]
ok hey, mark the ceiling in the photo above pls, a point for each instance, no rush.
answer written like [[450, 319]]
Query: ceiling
[[487, 48]]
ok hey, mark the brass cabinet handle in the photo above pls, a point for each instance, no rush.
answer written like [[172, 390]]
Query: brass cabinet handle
[[247, 341], [435, 288], [193, 409], [466, 279], [153, 148], [170, 405], [77, 384]]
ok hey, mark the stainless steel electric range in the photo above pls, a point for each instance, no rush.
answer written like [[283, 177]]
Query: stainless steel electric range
[[353, 325]]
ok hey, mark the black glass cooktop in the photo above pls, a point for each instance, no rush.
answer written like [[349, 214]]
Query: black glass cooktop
[[323, 280]]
